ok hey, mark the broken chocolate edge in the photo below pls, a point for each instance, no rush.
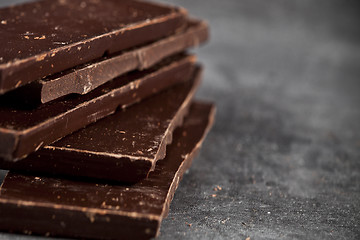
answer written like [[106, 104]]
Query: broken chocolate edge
[[185, 165]]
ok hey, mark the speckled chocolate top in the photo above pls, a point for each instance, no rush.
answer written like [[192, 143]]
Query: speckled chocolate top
[[46, 37]]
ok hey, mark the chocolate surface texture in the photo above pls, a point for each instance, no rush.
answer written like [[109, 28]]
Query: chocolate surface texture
[[124, 146], [59, 207], [23, 131], [82, 79], [46, 37]]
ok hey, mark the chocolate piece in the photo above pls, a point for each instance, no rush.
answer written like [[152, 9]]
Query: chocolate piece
[[46, 37], [122, 147], [59, 207], [24, 131], [85, 78]]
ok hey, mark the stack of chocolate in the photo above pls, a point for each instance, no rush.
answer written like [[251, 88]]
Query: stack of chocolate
[[97, 118]]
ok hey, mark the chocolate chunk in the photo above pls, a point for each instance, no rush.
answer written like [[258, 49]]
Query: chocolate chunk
[[66, 208], [45, 37], [83, 79], [23, 131], [122, 147]]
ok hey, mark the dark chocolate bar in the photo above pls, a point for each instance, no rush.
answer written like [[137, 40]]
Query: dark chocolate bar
[[83, 79], [45, 37], [122, 147], [66, 208], [23, 131]]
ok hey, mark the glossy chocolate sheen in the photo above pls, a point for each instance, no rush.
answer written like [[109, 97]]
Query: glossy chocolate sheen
[[122, 147], [66, 208], [83, 79], [23, 131], [45, 37]]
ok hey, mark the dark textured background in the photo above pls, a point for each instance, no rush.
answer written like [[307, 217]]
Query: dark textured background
[[285, 148]]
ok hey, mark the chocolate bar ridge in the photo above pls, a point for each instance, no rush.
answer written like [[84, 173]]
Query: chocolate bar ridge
[[96, 74], [139, 136], [85, 78], [84, 29], [57, 119], [115, 211]]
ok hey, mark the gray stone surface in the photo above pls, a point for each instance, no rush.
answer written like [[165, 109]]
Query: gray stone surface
[[285, 149]]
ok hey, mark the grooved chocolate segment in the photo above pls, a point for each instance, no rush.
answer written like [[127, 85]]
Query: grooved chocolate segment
[[122, 147], [59, 207], [49, 122], [46, 37], [83, 79]]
